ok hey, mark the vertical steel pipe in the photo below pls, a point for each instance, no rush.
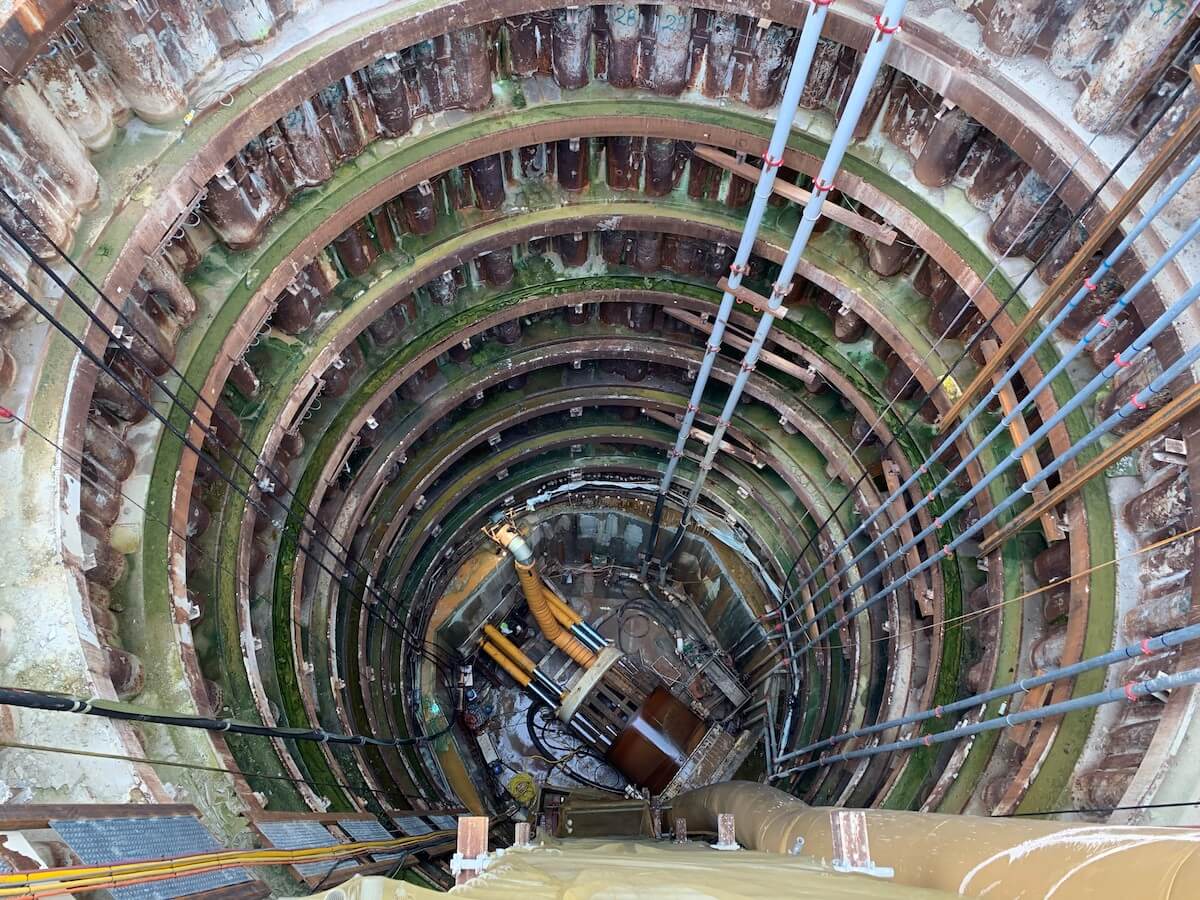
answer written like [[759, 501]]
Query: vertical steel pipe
[[1173, 187], [886, 25], [788, 105]]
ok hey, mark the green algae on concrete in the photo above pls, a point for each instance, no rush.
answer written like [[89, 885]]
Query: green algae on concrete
[[360, 168]]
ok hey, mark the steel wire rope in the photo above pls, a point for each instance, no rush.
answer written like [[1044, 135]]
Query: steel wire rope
[[208, 430], [146, 405], [1085, 207], [1096, 810], [175, 764], [112, 485], [53, 701], [61, 328]]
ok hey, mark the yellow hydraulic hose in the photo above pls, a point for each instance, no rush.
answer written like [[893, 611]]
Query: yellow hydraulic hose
[[562, 612], [493, 634], [536, 595], [43, 882], [498, 642], [506, 664], [239, 857], [563, 619]]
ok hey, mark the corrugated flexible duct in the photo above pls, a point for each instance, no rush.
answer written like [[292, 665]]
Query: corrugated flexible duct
[[536, 595], [967, 855]]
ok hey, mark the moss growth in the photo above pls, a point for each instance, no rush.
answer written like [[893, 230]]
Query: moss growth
[[229, 291]]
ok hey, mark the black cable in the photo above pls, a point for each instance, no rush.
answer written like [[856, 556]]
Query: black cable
[[539, 743], [676, 541], [1099, 809], [574, 774], [149, 761], [654, 611], [337, 864], [400, 861], [191, 543], [128, 323], [983, 329], [444, 670], [209, 430], [55, 702], [399, 626]]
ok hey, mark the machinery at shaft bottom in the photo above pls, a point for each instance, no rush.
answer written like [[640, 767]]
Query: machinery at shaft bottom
[[612, 701]]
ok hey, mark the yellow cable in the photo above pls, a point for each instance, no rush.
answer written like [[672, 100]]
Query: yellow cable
[[174, 870], [77, 878]]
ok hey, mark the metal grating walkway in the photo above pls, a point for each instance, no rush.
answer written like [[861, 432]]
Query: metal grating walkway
[[301, 835], [369, 830], [99, 841]]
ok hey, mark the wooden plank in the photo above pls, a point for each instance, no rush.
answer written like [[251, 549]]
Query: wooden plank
[[1020, 433], [809, 613], [753, 299], [704, 437], [738, 342], [920, 584], [1179, 407], [472, 844], [787, 190], [1034, 699], [38, 815]]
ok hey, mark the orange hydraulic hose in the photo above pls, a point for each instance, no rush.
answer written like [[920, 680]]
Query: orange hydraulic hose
[[539, 606], [493, 634], [72, 879], [506, 664], [563, 619], [562, 612]]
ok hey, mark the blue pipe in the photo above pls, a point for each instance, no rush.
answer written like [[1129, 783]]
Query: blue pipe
[[1096, 277], [1121, 360], [838, 145], [1128, 692], [788, 105], [1120, 654], [1105, 321]]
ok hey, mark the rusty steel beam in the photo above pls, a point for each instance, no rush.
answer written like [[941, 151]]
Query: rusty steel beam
[[1179, 141], [1163, 418], [920, 584], [789, 191], [1020, 434], [753, 299], [1022, 734]]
